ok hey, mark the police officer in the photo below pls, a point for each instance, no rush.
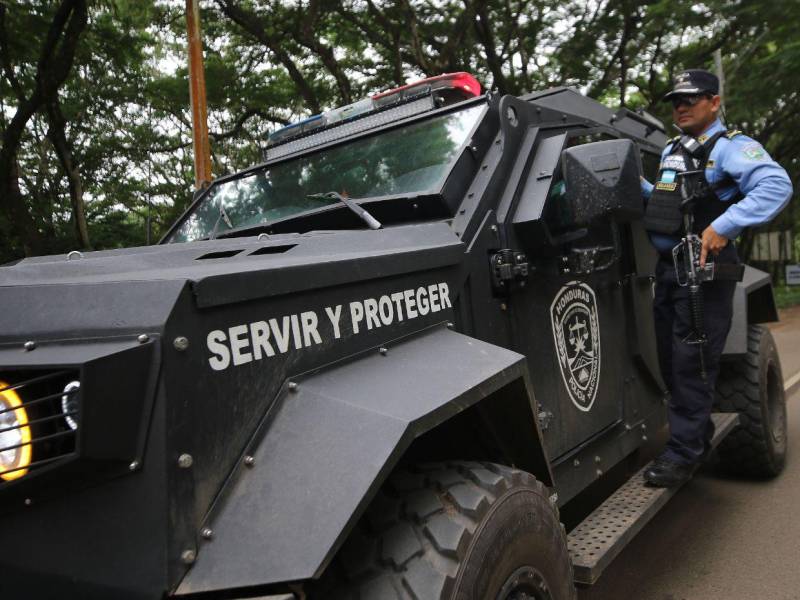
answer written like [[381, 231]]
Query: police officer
[[739, 186]]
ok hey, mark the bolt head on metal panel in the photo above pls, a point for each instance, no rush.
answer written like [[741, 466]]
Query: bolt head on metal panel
[[383, 350], [134, 465], [29, 345], [576, 463], [188, 557], [293, 386], [249, 461], [185, 461], [180, 343], [143, 338], [207, 533]]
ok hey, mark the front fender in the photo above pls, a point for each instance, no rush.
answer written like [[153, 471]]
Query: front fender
[[753, 302], [327, 446]]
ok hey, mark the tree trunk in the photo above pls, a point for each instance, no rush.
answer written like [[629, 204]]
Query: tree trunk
[[483, 28], [55, 61], [58, 136], [24, 228]]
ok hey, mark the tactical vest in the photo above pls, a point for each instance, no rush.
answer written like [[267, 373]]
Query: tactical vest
[[663, 213]]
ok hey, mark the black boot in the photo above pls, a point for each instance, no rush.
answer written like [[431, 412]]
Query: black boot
[[664, 472]]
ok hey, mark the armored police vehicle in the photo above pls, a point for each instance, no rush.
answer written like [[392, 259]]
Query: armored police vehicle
[[376, 366]]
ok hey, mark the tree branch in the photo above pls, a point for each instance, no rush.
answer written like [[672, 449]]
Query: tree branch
[[252, 25], [307, 36]]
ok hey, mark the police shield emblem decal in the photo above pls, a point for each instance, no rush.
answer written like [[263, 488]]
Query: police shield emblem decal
[[576, 332]]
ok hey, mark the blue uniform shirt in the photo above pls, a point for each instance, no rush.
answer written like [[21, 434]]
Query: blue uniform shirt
[[764, 184]]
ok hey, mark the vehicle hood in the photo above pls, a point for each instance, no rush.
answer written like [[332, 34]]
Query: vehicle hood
[[128, 290]]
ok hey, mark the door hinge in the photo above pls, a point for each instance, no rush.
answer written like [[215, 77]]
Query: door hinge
[[585, 261], [509, 270]]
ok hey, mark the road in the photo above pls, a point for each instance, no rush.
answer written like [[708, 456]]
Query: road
[[722, 538]]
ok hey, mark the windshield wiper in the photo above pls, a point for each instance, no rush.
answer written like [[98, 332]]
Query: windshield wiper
[[371, 221], [223, 216], [267, 226]]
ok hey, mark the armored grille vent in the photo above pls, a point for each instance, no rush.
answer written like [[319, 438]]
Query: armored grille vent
[[220, 254], [39, 421], [272, 250]]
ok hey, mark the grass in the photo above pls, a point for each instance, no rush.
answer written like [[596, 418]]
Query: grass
[[786, 295]]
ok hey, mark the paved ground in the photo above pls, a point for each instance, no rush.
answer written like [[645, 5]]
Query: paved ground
[[718, 538], [787, 336]]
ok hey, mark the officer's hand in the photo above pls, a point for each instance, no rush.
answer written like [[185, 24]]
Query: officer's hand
[[712, 242]]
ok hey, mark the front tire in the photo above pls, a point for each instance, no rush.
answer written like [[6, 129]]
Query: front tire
[[753, 387], [455, 531]]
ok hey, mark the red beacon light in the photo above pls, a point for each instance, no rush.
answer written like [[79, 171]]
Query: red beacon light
[[461, 85], [450, 88]]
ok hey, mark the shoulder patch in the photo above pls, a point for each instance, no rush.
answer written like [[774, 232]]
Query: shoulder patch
[[754, 151]]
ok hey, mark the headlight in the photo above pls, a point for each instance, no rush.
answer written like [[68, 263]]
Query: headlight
[[69, 403], [15, 435]]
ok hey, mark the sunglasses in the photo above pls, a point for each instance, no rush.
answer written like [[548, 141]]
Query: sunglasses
[[688, 99]]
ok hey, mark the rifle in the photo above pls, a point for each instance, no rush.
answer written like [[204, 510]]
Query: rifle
[[686, 257]]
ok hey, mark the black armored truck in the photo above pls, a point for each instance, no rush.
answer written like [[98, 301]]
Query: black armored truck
[[379, 365]]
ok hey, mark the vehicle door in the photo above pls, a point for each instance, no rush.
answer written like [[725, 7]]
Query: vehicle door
[[570, 319]]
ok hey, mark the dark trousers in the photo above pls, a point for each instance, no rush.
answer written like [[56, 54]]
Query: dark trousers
[[691, 396]]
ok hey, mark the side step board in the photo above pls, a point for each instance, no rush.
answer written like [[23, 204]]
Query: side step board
[[606, 531]]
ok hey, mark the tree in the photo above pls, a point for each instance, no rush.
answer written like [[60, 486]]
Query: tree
[[34, 88], [102, 152]]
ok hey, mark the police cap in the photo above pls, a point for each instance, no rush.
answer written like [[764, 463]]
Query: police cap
[[694, 81]]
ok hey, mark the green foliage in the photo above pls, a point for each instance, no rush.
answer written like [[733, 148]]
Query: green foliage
[[269, 62], [786, 296]]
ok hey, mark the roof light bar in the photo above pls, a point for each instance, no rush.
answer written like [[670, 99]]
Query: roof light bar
[[463, 86]]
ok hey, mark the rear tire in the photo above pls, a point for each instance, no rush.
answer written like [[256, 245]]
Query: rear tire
[[455, 531], [753, 387]]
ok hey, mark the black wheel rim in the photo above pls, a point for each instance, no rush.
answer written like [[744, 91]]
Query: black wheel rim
[[526, 583], [776, 406]]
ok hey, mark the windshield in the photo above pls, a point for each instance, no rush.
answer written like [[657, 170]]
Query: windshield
[[409, 159]]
